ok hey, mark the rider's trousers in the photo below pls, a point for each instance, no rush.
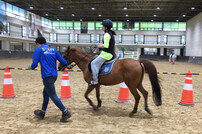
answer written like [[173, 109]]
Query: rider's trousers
[[95, 66]]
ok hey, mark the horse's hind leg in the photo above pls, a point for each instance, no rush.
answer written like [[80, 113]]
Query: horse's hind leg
[[145, 95], [99, 102], [136, 95], [90, 88]]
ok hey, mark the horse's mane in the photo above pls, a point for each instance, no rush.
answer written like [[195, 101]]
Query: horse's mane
[[80, 51]]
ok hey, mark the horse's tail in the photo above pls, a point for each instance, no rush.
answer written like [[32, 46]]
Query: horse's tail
[[152, 72]]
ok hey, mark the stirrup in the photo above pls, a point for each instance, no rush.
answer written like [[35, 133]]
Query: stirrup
[[92, 82]]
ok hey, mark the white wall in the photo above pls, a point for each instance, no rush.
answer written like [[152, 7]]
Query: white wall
[[194, 36]]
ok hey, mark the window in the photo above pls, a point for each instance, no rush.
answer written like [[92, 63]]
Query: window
[[136, 39], [165, 39], [91, 38], [56, 24], [114, 26], [158, 39], [46, 22], [16, 46], [98, 26], [50, 36], [142, 39], [182, 39], [120, 38], [150, 51], [77, 25], [120, 26], [98, 38], [91, 26], [136, 26], [9, 10], [151, 26], [76, 38], [174, 26]]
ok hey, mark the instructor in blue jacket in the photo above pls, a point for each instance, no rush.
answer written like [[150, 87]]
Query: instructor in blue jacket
[[47, 56]]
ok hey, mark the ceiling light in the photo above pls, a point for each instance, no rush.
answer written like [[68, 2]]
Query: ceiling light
[[125, 8], [73, 15], [99, 15], [61, 8], [46, 14], [31, 7], [155, 15], [192, 8], [126, 15], [184, 15], [93, 8], [152, 20], [158, 8]]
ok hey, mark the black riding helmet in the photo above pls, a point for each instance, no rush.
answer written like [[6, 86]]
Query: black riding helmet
[[107, 23], [40, 40]]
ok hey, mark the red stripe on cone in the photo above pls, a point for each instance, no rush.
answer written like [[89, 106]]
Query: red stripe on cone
[[65, 93], [8, 91], [123, 94], [187, 94]]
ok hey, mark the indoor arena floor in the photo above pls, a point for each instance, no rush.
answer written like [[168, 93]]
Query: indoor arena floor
[[17, 115]]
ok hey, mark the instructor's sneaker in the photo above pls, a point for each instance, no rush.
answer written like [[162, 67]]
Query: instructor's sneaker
[[39, 113], [65, 115]]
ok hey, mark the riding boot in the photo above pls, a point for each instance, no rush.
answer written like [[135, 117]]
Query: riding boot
[[39, 113], [92, 82]]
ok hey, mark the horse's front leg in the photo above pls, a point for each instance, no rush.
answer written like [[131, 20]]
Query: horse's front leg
[[99, 102], [90, 88]]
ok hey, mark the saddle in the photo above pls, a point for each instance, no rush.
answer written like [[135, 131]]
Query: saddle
[[105, 68]]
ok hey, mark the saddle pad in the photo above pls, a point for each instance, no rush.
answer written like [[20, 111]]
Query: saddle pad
[[105, 68]]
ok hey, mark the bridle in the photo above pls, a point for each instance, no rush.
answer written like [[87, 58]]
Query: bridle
[[67, 58]]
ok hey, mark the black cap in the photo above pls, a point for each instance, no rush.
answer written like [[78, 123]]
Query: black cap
[[107, 23], [40, 40]]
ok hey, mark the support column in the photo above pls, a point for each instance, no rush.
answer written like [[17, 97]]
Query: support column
[[73, 36], [5, 45], [161, 51], [138, 52], [26, 46]]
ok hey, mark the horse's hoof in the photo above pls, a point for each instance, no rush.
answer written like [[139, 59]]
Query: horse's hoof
[[95, 108], [99, 104], [148, 110], [131, 114]]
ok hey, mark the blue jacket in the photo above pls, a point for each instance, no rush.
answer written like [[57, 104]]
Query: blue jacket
[[47, 56]]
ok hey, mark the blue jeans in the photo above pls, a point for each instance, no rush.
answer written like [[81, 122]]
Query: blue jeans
[[49, 91]]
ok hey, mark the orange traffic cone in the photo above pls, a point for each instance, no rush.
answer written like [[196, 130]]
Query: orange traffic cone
[[187, 94], [123, 94], [65, 87], [8, 91]]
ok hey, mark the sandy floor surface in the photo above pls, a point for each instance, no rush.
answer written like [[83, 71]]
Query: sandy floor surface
[[16, 115]]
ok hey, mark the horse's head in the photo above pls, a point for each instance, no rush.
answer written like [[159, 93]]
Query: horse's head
[[67, 56]]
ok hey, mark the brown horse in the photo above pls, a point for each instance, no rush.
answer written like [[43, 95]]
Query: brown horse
[[129, 71]]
